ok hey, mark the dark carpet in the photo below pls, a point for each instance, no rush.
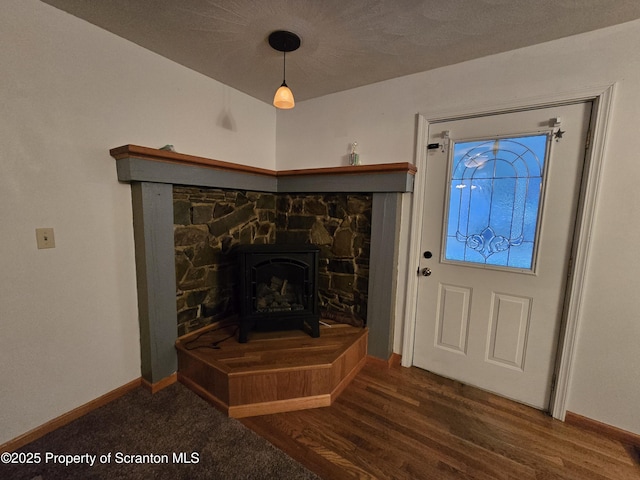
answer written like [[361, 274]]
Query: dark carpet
[[144, 436]]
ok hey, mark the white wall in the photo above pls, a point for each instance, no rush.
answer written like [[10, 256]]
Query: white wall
[[68, 93], [382, 119]]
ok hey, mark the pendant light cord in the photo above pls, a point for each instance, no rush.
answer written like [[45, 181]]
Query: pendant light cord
[[284, 68]]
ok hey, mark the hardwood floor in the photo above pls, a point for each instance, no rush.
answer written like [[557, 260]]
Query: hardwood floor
[[406, 423]]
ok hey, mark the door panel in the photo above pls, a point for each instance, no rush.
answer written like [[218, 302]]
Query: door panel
[[510, 318], [488, 314], [453, 318]]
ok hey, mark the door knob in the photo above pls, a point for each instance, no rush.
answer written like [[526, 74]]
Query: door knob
[[426, 271]]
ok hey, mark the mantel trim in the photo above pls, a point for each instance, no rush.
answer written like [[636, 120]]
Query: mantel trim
[[147, 153], [144, 164]]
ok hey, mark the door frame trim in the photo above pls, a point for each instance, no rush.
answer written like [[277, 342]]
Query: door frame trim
[[602, 98]]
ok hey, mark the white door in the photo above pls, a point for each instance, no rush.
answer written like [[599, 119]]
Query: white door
[[499, 213]]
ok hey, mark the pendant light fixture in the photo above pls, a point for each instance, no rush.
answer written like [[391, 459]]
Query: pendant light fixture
[[284, 42]]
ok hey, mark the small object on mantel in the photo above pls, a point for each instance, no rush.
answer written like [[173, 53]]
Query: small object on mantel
[[169, 148], [354, 158]]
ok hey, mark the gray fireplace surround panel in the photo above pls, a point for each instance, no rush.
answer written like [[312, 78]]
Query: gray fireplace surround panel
[[152, 174]]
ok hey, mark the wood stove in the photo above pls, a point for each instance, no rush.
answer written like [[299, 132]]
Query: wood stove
[[278, 288]]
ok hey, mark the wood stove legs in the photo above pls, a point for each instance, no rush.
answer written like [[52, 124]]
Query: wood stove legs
[[243, 331], [314, 325]]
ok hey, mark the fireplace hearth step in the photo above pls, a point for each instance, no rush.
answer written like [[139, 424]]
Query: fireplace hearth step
[[276, 371]]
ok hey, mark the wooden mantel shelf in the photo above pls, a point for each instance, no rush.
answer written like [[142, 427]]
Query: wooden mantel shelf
[[403, 167], [129, 151], [154, 154], [144, 164]]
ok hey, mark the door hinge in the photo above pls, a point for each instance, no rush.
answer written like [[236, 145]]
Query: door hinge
[[554, 378]]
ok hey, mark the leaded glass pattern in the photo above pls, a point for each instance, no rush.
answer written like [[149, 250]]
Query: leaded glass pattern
[[494, 196]]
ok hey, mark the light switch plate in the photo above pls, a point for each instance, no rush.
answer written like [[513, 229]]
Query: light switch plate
[[45, 238]]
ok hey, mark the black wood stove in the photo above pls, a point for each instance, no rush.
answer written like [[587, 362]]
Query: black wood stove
[[278, 288]]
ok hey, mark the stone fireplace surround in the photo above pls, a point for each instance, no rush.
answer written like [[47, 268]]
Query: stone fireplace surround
[[153, 174], [210, 224]]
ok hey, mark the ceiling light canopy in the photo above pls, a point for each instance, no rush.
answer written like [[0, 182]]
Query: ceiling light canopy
[[284, 42]]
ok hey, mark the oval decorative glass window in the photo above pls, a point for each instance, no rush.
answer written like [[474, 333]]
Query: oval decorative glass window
[[495, 193]]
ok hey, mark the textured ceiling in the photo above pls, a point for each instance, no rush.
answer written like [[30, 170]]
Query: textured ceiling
[[345, 43]]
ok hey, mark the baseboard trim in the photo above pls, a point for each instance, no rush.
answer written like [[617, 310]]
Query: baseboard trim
[[203, 393], [344, 383], [164, 383], [68, 417], [279, 406], [609, 431], [393, 361]]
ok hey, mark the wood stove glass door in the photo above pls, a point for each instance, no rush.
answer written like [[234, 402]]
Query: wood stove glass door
[[280, 285]]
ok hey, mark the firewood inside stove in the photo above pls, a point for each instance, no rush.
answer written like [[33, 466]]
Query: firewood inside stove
[[279, 295]]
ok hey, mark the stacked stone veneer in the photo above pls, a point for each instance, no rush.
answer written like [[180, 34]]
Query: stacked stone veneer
[[341, 226], [209, 223]]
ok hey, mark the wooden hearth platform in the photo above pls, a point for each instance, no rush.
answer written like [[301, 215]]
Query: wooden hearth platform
[[274, 371]]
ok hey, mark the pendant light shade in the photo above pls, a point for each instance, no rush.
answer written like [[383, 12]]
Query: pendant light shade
[[284, 98], [284, 42]]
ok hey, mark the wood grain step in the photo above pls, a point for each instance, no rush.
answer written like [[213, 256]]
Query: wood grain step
[[274, 371]]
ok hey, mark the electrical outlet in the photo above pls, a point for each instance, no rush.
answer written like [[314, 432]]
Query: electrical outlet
[[44, 237]]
